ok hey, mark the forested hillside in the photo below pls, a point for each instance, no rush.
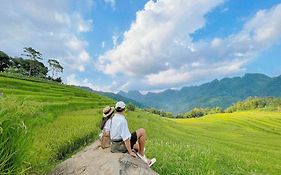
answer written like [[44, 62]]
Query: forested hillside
[[218, 93]]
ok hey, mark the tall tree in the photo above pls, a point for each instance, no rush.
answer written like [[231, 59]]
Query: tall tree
[[55, 66], [33, 56], [22, 66], [39, 70], [4, 61]]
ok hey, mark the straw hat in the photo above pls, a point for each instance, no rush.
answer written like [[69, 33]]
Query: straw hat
[[107, 111]]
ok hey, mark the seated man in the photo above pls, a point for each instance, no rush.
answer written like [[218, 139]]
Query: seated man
[[122, 139]]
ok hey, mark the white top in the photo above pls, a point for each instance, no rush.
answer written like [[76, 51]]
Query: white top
[[106, 127], [119, 128]]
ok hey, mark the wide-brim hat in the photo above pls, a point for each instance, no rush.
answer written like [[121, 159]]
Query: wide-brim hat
[[107, 111]]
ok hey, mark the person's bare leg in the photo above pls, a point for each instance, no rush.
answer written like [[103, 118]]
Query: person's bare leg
[[141, 140], [136, 146]]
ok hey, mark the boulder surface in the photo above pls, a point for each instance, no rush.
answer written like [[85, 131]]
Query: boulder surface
[[94, 160]]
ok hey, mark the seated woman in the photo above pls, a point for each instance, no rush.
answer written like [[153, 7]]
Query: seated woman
[[105, 126]]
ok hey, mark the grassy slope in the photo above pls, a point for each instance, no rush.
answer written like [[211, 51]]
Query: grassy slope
[[237, 143], [242, 142], [56, 130]]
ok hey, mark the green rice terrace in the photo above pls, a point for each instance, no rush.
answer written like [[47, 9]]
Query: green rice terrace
[[43, 123]]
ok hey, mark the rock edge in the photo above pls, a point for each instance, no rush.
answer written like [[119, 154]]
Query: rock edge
[[94, 160]]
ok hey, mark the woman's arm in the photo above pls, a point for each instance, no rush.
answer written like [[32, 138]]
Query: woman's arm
[[106, 133]]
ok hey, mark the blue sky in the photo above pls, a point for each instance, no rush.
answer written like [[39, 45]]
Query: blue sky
[[113, 45]]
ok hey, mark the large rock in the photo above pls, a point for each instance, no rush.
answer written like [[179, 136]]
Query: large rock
[[94, 160]]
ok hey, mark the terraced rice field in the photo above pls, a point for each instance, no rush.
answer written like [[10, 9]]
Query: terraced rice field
[[66, 118], [48, 110], [234, 143]]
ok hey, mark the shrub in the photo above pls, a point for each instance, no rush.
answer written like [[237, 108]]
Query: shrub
[[200, 112], [158, 112], [131, 107]]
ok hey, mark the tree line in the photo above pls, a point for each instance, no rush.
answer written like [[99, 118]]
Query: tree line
[[159, 112], [199, 112], [29, 64], [251, 103]]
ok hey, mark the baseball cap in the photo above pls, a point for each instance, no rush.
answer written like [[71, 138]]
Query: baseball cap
[[120, 105]]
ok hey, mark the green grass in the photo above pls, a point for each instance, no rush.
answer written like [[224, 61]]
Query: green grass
[[53, 131], [237, 143], [57, 140], [61, 120], [248, 142]]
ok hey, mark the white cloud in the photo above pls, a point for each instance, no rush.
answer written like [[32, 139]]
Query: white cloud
[[264, 29], [48, 27], [73, 80], [179, 76], [158, 50], [159, 34], [81, 24], [170, 76], [115, 38], [112, 3], [103, 44]]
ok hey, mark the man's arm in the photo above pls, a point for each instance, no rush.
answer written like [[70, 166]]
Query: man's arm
[[126, 135], [128, 146]]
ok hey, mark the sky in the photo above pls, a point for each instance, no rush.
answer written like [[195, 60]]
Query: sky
[[146, 45]]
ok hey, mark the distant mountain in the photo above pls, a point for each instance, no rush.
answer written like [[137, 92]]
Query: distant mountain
[[116, 97], [221, 93]]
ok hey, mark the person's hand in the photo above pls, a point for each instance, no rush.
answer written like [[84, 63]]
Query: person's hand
[[133, 154]]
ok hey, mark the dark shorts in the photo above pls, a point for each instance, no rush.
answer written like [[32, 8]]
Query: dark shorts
[[133, 139], [119, 146]]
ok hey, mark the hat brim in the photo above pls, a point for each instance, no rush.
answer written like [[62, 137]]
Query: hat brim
[[109, 113]]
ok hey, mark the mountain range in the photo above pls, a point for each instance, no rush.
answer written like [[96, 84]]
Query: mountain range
[[222, 93], [116, 97]]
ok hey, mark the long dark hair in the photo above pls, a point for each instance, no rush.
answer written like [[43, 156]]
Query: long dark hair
[[104, 120]]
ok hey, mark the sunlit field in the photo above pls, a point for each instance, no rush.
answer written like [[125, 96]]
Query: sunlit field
[[237, 143], [59, 120], [41, 117]]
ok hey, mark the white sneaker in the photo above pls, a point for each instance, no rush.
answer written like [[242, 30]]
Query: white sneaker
[[149, 162], [152, 161]]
